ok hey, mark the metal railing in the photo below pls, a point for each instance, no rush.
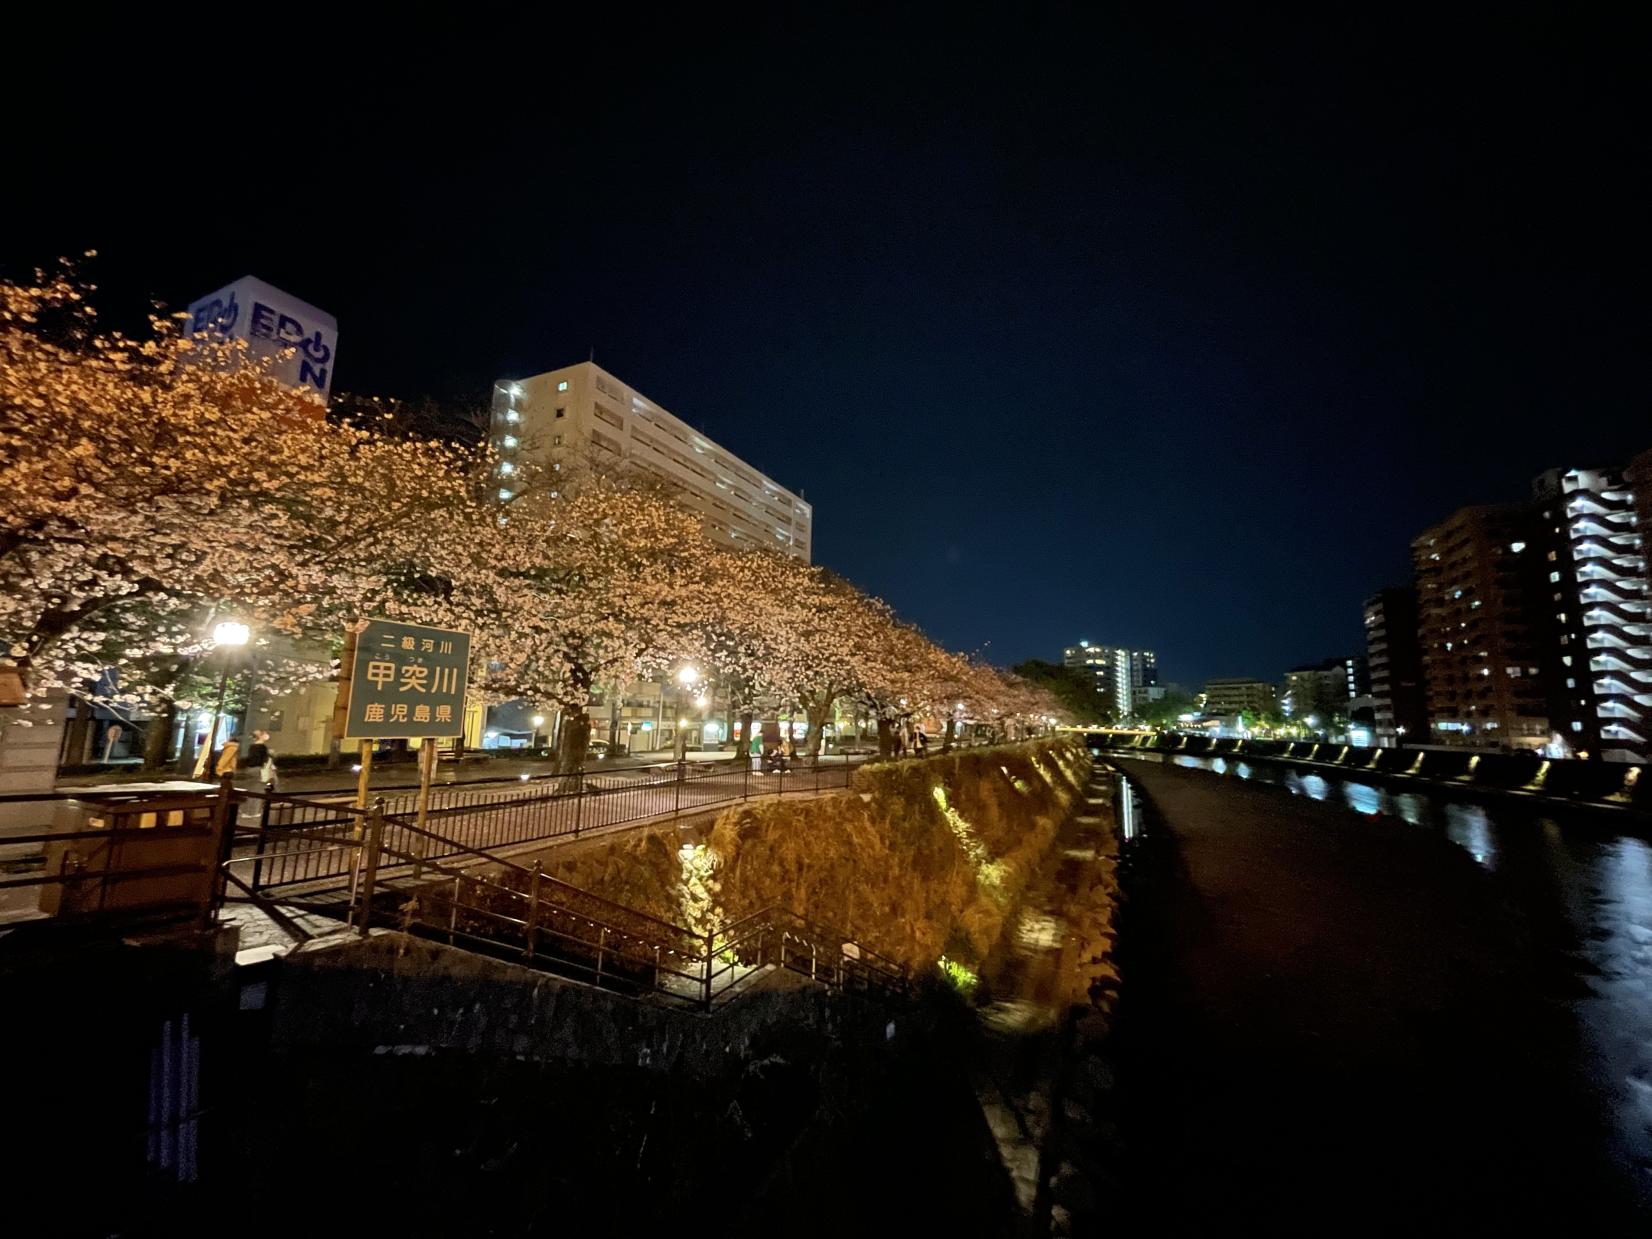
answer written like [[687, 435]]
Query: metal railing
[[522, 915], [134, 858], [302, 840]]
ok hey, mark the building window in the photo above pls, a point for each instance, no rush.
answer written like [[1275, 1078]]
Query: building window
[[1576, 726], [556, 440], [562, 386], [1551, 557], [1517, 547], [1553, 576], [561, 412], [1570, 682]]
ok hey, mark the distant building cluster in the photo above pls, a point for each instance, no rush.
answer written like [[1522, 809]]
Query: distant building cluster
[[1527, 625], [1127, 679]]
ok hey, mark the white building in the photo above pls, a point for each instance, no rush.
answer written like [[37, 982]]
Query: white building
[[564, 417]]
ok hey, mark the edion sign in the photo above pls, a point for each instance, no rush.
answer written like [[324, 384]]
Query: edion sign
[[272, 323]]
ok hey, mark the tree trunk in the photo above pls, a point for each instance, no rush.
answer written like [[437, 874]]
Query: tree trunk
[[817, 716], [573, 741], [746, 722], [946, 738], [157, 741], [886, 738]]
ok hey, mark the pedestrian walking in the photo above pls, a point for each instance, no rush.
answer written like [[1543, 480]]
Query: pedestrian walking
[[228, 759], [261, 758], [920, 742]]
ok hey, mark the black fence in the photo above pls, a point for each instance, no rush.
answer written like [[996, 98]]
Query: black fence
[[288, 841], [521, 915]]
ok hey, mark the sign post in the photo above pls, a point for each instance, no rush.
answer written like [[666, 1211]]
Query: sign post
[[402, 682]]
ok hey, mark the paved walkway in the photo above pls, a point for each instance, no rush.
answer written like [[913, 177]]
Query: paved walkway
[[1331, 1024]]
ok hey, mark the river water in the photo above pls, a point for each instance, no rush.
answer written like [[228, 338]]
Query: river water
[[1582, 883]]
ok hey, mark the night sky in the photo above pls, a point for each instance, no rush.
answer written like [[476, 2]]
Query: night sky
[[1068, 326]]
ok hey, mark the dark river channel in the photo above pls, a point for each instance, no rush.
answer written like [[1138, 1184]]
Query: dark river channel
[[1585, 888]]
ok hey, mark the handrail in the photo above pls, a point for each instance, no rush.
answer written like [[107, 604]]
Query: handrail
[[485, 881], [402, 821]]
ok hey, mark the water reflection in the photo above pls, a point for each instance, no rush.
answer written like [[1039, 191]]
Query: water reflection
[[1591, 888], [1363, 799], [1468, 826]]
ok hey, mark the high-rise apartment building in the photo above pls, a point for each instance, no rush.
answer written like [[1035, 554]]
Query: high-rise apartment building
[[1396, 665], [1481, 629], [1322, 690], [1595, 567], [1128, 678], [1238, 695], [564, 418]]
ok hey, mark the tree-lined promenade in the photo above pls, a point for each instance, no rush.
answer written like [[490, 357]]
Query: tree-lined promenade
[[151, 487]]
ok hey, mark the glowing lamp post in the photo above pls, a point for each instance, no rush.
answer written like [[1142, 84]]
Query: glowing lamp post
[[538, 721], [229, 635]]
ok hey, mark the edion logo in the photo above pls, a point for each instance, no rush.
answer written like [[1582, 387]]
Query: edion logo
[[296, 340], [314, 353]]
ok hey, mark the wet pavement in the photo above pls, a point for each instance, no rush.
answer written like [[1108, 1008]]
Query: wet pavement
[[1347, 1010]]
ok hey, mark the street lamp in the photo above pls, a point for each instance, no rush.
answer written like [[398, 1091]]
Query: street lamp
[[687, 676], [538, 721], [227, 635]]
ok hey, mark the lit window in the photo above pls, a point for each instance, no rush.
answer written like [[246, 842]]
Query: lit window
[[562, 386], [1553, 577], [510, 441], [556, 440], [1551, 557], [1576, 726], [1561, 616], [504, 493], [1566, 659], [507, 467], [1474, 604], [1570, 682], [1517, 547], [513, 416], [557, 467]]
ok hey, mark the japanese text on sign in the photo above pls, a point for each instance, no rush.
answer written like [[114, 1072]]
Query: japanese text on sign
[[407, 681]]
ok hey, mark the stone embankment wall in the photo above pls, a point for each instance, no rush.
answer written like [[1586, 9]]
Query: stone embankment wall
[[919, 859]]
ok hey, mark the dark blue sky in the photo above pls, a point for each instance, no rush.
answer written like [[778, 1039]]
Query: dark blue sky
[[1166, 330]]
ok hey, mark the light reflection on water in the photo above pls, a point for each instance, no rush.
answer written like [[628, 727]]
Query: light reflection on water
[[1468, 826], [1596, 887]]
